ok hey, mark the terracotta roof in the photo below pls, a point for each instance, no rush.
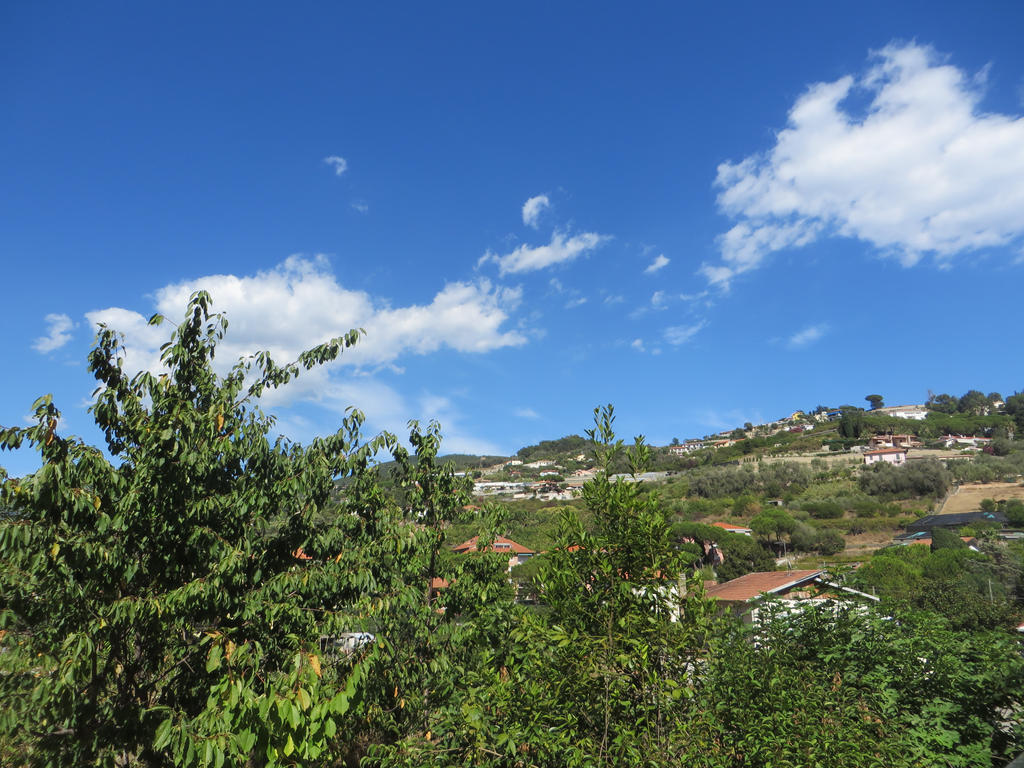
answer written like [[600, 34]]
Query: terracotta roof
[[753, 584], [728, 527], [501, 544]]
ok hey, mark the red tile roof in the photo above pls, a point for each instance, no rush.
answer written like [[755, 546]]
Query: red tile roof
[[501, 544], [753, 584], [728, 527]]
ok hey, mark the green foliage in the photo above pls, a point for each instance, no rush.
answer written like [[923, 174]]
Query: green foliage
[[919, 478], [772, 479], [190, 600], [153, 605], [851, 424], [599, 676], [772, 522], [943, 538], [973, 590], [155, 609], [841, 686]]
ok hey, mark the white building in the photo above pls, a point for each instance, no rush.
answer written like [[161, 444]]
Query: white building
[[895, 456]]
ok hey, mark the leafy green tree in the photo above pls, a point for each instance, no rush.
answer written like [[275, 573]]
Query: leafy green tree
[[1014, 407], [974, 402], [773, 522], [851, 423], [180, 603], [890, 575], [830, 542], [153, 606], [876, 401], [597, 677], [943, 403], [943, 538]]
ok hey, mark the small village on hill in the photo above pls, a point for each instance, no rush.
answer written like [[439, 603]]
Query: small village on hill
[[836, 494]]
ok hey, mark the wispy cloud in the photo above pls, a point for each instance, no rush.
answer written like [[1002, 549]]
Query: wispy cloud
[[680, 334], [360, 207], [807, 336], [533, 208], [57, 334], [339, 164], [561, 249], [527, 413], [659, 262], [920, 172], [579, 301]]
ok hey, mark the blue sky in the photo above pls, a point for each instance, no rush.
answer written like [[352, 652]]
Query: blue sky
[[704, 215]]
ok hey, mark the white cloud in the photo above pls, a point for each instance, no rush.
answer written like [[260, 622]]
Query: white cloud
[[299, 304], [658, 300], [808, 335], [561, 249], [527, 413], [680, 334], [638, 344], [360, 207], [532, 209], [921, 172], [659, 262], [57, 334], [339, 164], [579, 301]]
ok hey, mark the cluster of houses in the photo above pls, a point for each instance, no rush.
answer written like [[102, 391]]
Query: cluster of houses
[[690, 446], [541, 489]]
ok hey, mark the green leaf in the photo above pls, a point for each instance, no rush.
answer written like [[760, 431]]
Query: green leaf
[[214, 659], [163, 734]]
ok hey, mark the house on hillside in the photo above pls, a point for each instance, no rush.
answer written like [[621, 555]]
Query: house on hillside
[[896, 456], [960, 441], [796, 590], [734, 528], [688, 447], [517, 553], [955, 520], [916, 412], [894, 441]]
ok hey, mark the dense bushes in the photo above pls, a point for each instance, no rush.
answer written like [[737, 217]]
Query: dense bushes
[[918, 478], [973, 589], [772, 479]]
